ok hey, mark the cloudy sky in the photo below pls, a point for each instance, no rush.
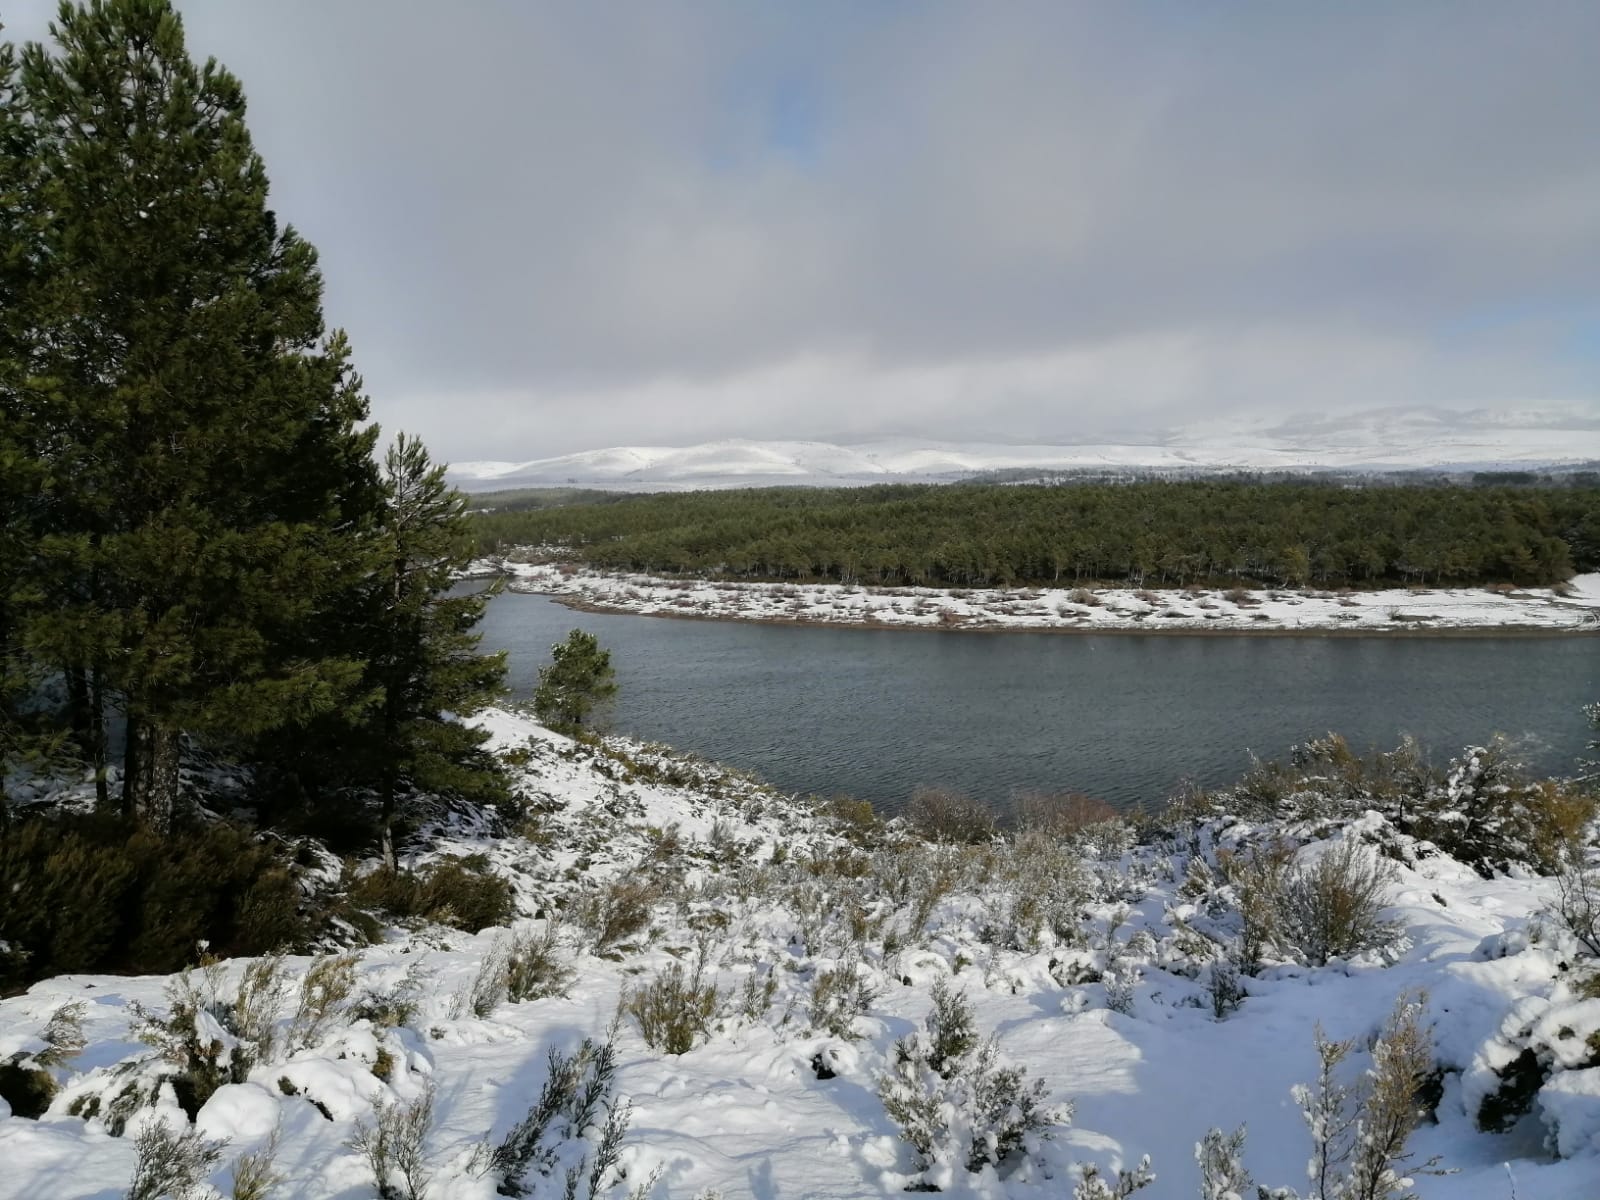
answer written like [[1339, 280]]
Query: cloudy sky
[[550, 227]]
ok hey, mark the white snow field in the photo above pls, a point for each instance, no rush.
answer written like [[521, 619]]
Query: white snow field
[[1575, 607], [767, 892], [1381, 440]]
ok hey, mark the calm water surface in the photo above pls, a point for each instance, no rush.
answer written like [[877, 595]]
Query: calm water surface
[[876, 713]]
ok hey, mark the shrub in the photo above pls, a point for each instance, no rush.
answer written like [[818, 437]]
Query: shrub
[[204, 1039], [1332, 907], [26, 1083], [616, 911], [255, 1175], [674, 1009], [396, 1005], [1358, 1134], [1061, 814], [1092, 1185], [1577, 904], [942, 816], [1491, 815], [169, 1164], [534, 966], [92, 894], [1222, 985], [393, 1146], [325, 994], [839, 995], [1220, 1157], [577, 1088], [463, 893], [968, 1109]]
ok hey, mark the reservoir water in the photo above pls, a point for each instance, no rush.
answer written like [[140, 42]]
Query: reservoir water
[[876, 713]]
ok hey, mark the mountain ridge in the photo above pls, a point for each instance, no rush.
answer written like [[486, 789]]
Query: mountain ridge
[[1388, 440]]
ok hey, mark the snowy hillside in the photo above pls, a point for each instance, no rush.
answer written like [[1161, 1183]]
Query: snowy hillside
[[763, 984], [1382, 440]]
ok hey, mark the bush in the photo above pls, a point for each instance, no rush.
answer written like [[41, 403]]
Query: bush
[[675, 1009], [1061, 815], [952, 1100], [942, 816], [89, 894], [26, 1083], [839, 995], [393, 1147], [616, 911], [577, 1089], [1331, 907], [460, 892], [169, 1164]]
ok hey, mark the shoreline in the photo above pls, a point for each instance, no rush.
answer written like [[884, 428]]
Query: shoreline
[[1421, 613], [581, 604]]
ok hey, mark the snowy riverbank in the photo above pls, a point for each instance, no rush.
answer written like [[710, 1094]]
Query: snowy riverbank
[[1088, 958], [1573, 609]]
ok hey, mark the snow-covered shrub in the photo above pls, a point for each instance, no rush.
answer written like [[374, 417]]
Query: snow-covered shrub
[[1545, 1058], [1358, 1133], [1490, 815], [565, 1119], [463, 893], [1577, 904], [616, 911], [757, 992], [395, 1005], [1121, 978], [170, 1165], [203, 1041], [675, 1008], [393, 1146], [325, 992], [1224, 988], [255, 1175], [1092, 1185], [1332, 907], [534, 966], [953, 1102], [839, 995], [26, 1083], [1220, 1156]]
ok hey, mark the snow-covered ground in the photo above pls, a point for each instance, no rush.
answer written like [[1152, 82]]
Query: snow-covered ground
[[1575, 607], [1380, 440], [759, 888]]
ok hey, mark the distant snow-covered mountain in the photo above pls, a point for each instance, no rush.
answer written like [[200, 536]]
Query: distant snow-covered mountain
[[1382, 440]]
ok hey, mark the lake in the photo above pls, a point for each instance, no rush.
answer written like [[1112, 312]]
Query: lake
[[876, 713]]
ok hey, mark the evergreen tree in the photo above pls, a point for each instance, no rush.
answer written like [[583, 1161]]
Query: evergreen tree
[[17, 473], [426, 660], [578, 681], [212, 489]]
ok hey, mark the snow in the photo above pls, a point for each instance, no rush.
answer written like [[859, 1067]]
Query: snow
[[1381, 440], [745, 1113], [1573, 608]]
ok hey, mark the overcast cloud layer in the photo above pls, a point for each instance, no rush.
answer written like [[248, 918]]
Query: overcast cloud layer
[[550, 227]]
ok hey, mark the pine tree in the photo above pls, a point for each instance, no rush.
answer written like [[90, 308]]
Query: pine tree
[[425, 659], [212, 488], [579, 680]]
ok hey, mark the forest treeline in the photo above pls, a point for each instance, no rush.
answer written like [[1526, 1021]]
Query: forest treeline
[[200, 548], [1147, 533]]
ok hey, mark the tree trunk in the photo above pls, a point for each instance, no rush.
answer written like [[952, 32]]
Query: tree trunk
[[153, 774], [97, 739]]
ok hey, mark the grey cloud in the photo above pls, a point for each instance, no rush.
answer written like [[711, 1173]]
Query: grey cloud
[[550, 227]]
